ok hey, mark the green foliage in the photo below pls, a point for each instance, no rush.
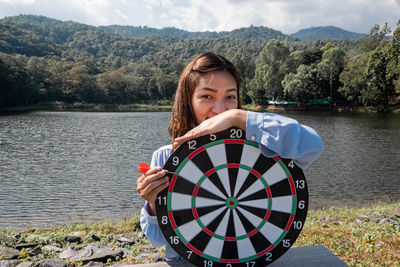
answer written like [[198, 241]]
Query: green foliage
[[302, 86], [47, 60]]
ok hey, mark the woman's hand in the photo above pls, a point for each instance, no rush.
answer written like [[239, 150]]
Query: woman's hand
[[150, 184], [220, 122]]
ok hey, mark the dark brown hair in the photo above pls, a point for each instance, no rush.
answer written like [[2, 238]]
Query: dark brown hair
[[183, 118]]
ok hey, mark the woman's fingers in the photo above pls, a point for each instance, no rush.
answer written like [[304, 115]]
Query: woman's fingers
[[151, 191], [151, 183], [149, 178]]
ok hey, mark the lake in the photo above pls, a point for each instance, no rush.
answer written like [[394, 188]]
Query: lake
[[63, 167]]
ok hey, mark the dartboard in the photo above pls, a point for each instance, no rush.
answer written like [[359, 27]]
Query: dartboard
[[229, 205]]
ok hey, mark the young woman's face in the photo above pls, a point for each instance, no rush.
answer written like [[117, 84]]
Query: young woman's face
[[215, 93]]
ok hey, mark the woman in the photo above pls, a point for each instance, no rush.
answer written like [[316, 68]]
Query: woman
[[207, 101]]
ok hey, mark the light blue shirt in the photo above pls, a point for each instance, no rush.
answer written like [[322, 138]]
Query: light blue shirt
[[277, 136]]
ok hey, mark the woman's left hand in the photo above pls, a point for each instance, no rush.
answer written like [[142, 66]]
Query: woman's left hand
[[220, 122]]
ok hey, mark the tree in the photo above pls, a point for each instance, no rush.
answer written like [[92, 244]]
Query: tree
[[270, 72], [354, 79], [331, 66], [303, 85]]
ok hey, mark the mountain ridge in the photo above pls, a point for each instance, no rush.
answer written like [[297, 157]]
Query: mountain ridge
[[258, 33]]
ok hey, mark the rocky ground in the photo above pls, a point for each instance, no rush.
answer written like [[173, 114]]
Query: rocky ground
[[88, 246], [367, 236]]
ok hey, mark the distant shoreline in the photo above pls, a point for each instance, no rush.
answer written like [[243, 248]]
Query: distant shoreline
[[90, 107]]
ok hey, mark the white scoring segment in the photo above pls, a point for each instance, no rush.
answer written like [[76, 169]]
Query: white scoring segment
[[255, 220], [221, 229], [250, 155], [271, 232], [210, 187], [258, 203], [274, 174], [283, 204], [217, 154], [241, 178], [181, 201], [239, 228], [190, 229], [223, 175], [245, 248], [255, 187], [207, 202], [209, 217], [191, 172], [214, 247]]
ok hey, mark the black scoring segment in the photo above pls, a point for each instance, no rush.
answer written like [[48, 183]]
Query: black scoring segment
[[207, 194], [262, 194], [259, 241], [205, 210], [214, 178], [279, 219], [200, 241], [230, 231], [183, 186], [251, 179], [281, 188], [260, 212], [212, 226], [230, 250], [183, 216], [262, 165], [233, 172], [248, 226], [233, 152], [203, 162]]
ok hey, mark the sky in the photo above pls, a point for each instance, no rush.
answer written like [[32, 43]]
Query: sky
[[287, 16]]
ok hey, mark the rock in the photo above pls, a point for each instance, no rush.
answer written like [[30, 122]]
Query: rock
[[157, 257], [52, 263], [103, 254], [28, 264], [51, 247], [20, 246], [5, 239], [77, 254], [90, 253], [123, 239], [7, 253], [142, 257], [35, 251], [73, 239], [94, 264], [10, 263], [95, 237]]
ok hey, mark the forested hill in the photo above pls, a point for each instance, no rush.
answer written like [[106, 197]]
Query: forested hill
[[259, 33], [326, 32], [44, 59]]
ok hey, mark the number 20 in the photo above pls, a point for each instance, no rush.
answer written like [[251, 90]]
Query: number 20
[[236, 133]]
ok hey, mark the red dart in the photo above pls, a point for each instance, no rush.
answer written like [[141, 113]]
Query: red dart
[[143, 167]]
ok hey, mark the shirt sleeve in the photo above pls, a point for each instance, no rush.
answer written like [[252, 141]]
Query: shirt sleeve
[[284, 137], [150, 228], [148, 223]]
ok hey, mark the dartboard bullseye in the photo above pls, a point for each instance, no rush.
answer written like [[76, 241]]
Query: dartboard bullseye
[[229, 205]]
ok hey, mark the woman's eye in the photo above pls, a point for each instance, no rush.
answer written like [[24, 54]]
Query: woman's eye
[[231, 97], [206, 96]]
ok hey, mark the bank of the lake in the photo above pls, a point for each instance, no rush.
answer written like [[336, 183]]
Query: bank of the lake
[[165, 105], [365, 236]]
